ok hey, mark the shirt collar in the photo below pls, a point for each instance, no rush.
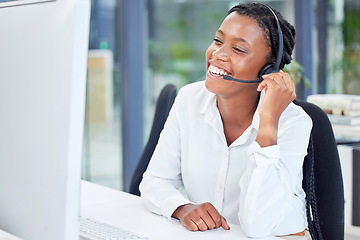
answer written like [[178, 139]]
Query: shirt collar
[[209, 104]]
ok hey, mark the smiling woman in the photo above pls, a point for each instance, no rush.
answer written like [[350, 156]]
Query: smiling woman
[[237, 148]]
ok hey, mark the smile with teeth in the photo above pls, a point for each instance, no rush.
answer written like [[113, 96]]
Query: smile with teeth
[[217, 71]]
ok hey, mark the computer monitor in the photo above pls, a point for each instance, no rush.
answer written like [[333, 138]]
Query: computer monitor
[[43, 57]]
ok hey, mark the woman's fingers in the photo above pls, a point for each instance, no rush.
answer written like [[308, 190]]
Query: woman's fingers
[[208, 220], [214, 214], [280, 92], [200, 217], [224, 224], [189, 224], [194, 224], [280, 84], [287, 80]]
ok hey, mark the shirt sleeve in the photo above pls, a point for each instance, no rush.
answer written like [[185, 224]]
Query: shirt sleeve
[[162, 179], [271, 179]]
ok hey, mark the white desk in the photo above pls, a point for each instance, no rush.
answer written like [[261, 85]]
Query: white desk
[[6, 236], [127, 211]]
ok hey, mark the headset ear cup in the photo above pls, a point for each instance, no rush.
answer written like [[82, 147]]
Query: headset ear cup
[[266, 69]]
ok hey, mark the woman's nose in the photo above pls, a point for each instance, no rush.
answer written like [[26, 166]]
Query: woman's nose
[[221, 54]]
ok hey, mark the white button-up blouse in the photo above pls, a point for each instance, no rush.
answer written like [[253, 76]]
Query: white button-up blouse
[[257, 188]]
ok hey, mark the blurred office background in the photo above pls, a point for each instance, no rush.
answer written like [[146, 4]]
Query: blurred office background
[[138, 46]]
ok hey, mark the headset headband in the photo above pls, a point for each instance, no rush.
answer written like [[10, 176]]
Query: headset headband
[[281, 41]]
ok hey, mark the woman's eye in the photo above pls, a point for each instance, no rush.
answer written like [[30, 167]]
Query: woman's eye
[[217, 40], [239, 50]]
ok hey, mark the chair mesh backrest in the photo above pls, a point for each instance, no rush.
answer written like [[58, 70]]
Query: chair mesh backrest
[[163, 106], [328, 201]]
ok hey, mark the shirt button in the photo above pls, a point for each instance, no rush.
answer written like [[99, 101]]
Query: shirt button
[[252, 194], [220, 186]]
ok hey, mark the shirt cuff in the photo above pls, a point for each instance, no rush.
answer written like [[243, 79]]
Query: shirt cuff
[[264, 157], [170, 204]]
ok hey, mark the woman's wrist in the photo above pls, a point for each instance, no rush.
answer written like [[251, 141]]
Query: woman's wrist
[[267, 133], [178, 212]]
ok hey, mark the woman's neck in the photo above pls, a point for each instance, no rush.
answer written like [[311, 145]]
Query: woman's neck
[[239, 110], [237, 114]]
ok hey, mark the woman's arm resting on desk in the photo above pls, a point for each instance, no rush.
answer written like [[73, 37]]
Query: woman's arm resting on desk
[[159, 187]]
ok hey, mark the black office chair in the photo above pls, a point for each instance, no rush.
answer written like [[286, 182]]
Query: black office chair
[[322, 180], [163, 106]]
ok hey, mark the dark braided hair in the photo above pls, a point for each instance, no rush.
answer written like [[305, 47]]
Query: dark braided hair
[[266, 21], [309, 187]]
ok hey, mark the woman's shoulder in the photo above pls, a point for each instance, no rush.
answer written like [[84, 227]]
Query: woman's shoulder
[[193, 91], [295, 113], [194, 87], [193, 97]]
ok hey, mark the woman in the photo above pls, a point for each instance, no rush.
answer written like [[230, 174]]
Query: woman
[[235, 149]]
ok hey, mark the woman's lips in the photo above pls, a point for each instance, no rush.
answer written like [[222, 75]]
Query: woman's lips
[[217, 71]]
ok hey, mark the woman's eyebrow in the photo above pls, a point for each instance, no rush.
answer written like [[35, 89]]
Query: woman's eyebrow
[[220, 31], [239, 39]]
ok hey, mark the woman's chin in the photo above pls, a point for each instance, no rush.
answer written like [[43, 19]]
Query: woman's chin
[[214, 85]]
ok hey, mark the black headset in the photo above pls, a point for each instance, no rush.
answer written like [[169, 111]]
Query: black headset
[[269, 67], [274, 67]]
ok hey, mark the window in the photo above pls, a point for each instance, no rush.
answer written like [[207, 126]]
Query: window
[[338, 47], [102, 135]]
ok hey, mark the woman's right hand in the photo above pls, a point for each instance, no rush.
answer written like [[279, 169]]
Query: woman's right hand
[[201, 217]]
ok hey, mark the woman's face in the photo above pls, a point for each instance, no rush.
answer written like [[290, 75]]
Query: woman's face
[[239, 50]]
